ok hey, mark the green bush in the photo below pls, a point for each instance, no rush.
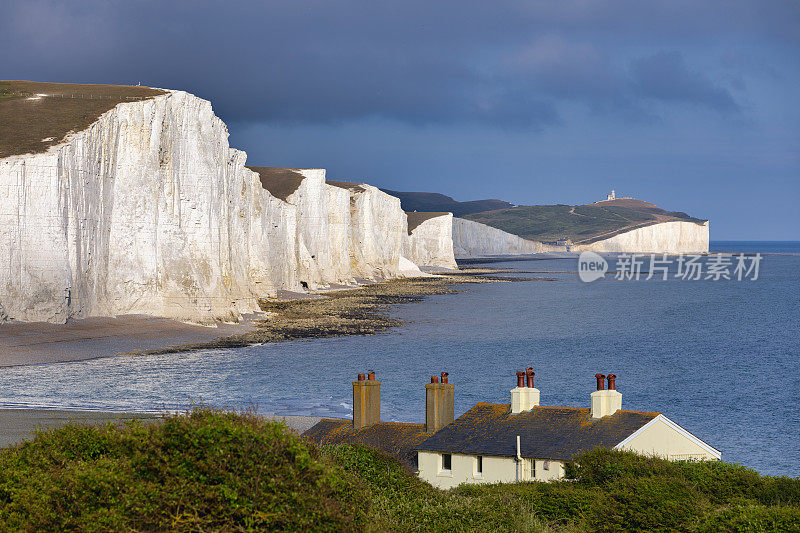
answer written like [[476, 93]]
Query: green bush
[[612, 491], [751, 519], [207, 470], [400, 501], [216, 471], [651, 494]]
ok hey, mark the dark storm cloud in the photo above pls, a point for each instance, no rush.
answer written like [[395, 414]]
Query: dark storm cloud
[[574, 71], [512, 64], [665, 76], [683, 102]]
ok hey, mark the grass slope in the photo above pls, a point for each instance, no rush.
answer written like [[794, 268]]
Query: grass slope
[[582, 223], [216, 471], [429, 201], [32, 124]]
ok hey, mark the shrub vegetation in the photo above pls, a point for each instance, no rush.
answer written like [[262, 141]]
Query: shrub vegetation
[[216, 471], [203, 471], [611, 491]]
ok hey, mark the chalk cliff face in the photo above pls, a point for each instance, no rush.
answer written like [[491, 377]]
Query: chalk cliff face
[[666, 237], [150, 211], [322, 218], [473, 239], [339, 224], [272, 242], [431, 243], [377, 228], [146, 211]]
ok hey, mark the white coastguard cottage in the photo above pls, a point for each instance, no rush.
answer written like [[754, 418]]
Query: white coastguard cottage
[[520, 441]]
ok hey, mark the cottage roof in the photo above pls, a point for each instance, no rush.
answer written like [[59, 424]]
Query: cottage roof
[[393, 438], [558, 433]]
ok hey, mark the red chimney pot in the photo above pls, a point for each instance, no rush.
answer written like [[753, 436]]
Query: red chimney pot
[[612, 382], [520, 379], [600, 381], [530, 373], [361, 377], [434, 379], [444, 377], [371, 376]]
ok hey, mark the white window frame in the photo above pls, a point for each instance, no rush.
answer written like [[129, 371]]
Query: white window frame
[[447, 472]]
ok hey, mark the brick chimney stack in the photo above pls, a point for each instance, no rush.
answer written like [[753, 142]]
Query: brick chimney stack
[[439, 403], [366, 401]]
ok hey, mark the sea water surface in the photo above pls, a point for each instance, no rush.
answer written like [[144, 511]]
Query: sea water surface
[[720, 358]]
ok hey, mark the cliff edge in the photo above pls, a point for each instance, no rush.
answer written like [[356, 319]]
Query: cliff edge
[[148, 210], [473, 239], [674, 237]]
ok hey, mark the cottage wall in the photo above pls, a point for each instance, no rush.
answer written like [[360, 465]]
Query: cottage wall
[[663, 438], [496, 469]]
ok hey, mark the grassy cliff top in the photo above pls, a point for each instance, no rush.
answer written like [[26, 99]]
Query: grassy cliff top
[[215, 471], [435, 202], [280, 182], [349, 185], [415, 218], [36, 115], [580, 223]]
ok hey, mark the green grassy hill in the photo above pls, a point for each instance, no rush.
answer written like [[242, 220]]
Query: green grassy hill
[[435, 202], [216, 471], [581, 223]]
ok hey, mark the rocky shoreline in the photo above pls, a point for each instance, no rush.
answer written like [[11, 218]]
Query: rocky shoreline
[[361, 311], [332, 312]]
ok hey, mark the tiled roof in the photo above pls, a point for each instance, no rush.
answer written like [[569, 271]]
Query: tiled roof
[[557, 433], [393, 438]]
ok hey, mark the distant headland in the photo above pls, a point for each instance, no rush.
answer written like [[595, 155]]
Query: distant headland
[[127, 199]]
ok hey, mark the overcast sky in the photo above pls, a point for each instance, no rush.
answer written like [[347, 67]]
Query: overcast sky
[[690, 104]]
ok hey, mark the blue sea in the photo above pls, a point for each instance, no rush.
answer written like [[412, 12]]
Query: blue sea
[[720, 358]]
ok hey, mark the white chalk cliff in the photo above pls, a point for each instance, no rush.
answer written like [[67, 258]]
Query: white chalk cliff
[[377, 229], [666, 237], [473, 239], [150, 211], [431, 242]]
